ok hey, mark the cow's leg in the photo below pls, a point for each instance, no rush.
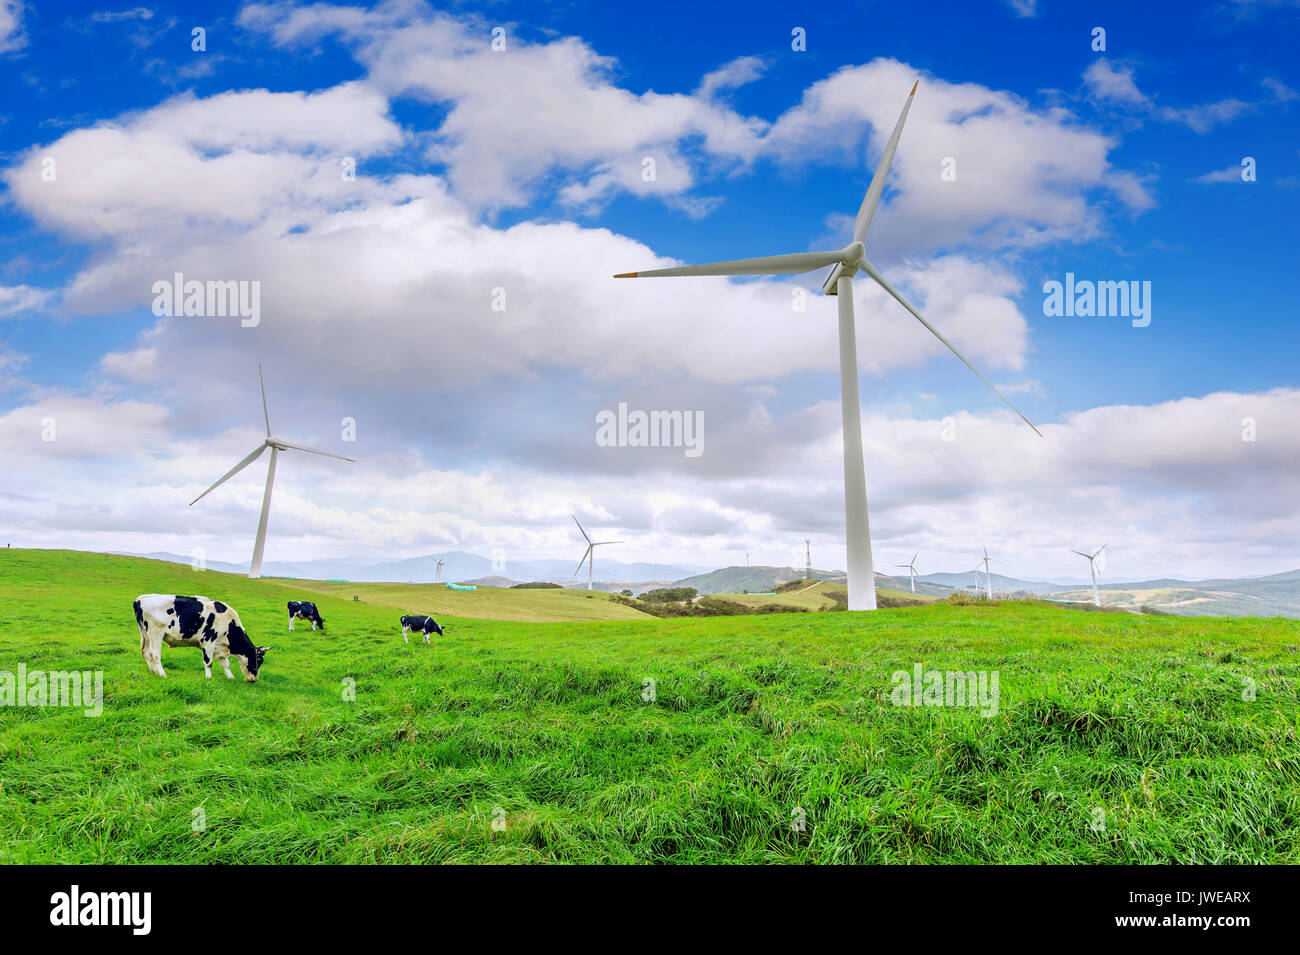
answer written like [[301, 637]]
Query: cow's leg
[[225, 665], [427, 638], [290, 621], [404, 640], [151, 647], [313, 624], [207, 662]]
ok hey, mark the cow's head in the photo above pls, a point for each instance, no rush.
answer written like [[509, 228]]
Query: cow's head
[[320, 620], [250, 664], [436, 628]]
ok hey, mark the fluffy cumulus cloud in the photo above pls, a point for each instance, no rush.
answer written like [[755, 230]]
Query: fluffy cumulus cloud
[[1018, 176]]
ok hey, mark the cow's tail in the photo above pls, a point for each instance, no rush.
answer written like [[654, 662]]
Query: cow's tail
[[139, 622]]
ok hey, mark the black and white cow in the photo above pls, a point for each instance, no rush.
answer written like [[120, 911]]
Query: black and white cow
[[210, 625], [420, 624], [303, 610]]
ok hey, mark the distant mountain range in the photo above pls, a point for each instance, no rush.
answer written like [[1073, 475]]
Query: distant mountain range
[[458, 566], [1274, 595]]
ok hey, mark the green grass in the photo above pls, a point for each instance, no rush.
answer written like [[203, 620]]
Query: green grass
[[1142, 717]]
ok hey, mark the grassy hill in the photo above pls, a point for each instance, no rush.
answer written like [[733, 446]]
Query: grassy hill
[[549, 729], [815, 595], [1275, 595]]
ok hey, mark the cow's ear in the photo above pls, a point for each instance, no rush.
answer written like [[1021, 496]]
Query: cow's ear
[[264, 649]]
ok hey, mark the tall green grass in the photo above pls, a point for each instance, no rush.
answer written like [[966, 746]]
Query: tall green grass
[[542, 729]]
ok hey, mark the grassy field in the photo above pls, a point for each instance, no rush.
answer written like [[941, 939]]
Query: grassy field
[[542, 729]]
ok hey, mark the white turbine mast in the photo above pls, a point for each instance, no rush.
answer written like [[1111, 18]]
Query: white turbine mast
[[844, 264], [276, 445], [911, 569], [1092, 567], [589, 555], [437, 571], [988, 578]]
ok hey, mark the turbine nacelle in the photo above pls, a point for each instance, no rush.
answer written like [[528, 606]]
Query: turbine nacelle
[[853, 253]]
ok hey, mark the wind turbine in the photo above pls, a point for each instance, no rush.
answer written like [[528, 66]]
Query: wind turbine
[[911, 569], [988, 578], [589, 555], [844, 264], [437, 571], [276, 445], [1092, 566]]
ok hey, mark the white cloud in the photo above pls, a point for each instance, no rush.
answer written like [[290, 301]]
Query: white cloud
[[21, 299], [12, 36], [1167, 485], [1022, 176], [534, 109], [1231, 174], [1107, 83]]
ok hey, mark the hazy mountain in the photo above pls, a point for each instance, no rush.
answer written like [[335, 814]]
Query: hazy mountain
[[457, 566]]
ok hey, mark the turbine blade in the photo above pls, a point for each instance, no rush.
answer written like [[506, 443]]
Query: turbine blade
[[584, 533], [1080, 553], [790, 264], [585, 555], [1100, 549], [599, 543], [870, 269], [872, 199], [303, 447], [231, 473], [265, 414]]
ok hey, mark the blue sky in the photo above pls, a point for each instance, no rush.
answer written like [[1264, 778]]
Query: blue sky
[[1112, 165]]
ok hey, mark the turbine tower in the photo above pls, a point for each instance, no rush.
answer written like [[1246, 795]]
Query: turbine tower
[[589, 555], [437, 571], [276, 445], [746, 558], [844, 264], [988, 578], [1092, 567], [911, 569], [808, 557]]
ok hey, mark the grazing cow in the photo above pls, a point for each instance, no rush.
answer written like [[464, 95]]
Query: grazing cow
[[302, 610], [420, 624], [210, 625]]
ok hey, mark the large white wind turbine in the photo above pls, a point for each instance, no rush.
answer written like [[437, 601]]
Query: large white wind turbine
[[437, 570], [844, 264], [1092, 566], [911, 569], [589, 555], [276, 445]]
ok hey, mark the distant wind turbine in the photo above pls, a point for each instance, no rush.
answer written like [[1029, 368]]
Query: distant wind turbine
[[589, 555], [276, 445], [911, 569], [1092, 567], [844, 264], [437, 572], [988, 578]]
